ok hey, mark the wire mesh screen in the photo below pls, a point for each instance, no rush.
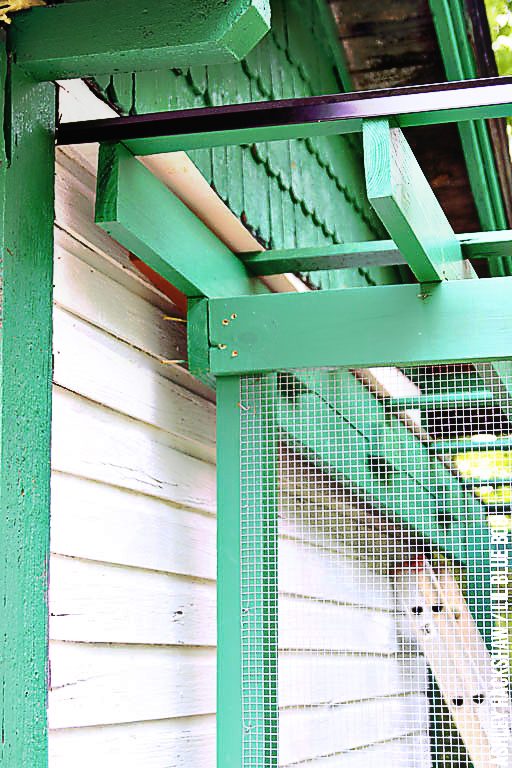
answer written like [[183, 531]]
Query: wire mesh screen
[[376, 554]]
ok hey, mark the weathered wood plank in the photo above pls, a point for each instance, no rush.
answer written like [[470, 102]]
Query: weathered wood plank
[[190, 740], [61, 41], [26, 201], [407, 206], [94, 521], [105, 369], [120, 451]]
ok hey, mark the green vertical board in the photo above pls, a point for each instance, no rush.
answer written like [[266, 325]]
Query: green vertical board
[[247, 720], [27, 170], [229, 653]]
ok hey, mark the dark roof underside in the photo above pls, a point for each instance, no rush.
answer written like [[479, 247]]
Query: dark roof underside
[[389, 43]]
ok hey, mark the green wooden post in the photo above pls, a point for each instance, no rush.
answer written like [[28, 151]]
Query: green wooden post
[[247, 575], [229, 652], [27, 171]]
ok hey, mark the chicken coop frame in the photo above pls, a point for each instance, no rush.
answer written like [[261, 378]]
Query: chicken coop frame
[[236, 326]]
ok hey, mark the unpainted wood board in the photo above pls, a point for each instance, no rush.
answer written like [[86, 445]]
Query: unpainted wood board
[[92, 363], [96, 443], [173, 743], [101, 522], [102, 684], [306, 734]]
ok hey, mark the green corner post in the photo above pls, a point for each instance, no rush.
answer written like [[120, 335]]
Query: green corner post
[[26, 175], [247, 722]]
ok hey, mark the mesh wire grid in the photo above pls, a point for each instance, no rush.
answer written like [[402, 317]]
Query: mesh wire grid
[[375, 556]]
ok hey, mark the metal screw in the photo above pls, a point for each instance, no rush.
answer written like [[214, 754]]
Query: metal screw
[[233, 316], [225, 321], [234, 353], [222, 346]]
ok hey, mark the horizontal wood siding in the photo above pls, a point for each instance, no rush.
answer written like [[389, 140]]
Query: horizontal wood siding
[[132, 598]]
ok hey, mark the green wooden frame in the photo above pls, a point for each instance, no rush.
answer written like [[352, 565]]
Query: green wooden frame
[[463, 320], [27, 180], [90, 37]]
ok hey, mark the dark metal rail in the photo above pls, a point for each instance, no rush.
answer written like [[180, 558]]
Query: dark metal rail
[[413, 105]]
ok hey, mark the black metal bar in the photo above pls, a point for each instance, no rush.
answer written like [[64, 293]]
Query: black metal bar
[[411, 100]]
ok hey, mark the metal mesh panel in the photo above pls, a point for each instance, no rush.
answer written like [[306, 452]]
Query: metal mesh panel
[[375, 551]]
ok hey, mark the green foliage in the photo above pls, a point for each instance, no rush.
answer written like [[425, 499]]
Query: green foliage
[[499, 14]]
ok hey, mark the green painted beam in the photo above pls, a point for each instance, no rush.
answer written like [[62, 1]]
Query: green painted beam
[[460, 320], [92, 37], [26, 234], [404, 201], [138, 211], [475, 245], [440, 401]]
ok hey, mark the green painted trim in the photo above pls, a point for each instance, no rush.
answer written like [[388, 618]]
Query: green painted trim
[[458, 57], [405, 203], [197, 340], [230, 725], [178, 142], [475, 245], [27, 180], [87, 38], [142, 214], [358, 327]]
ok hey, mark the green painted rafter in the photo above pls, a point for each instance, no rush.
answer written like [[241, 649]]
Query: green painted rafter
[[475, 245], [149, 220], [92, 37], [407, 206]]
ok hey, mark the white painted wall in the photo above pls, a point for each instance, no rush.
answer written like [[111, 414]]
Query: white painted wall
[[132, 597]]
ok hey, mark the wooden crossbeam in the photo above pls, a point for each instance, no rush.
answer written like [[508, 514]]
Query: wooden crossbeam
[[404, 201], [455, 320], [93, 37], [380, 253]]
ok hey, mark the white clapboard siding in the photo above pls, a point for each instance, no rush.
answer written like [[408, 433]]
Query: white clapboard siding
[[316, 572], [98, 684], [184, 742], [95, 602], [100, 522], [307, 679], [92, 363], [305, 733], [409, 752], [88, 293], [311, 625], [95, 442]]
